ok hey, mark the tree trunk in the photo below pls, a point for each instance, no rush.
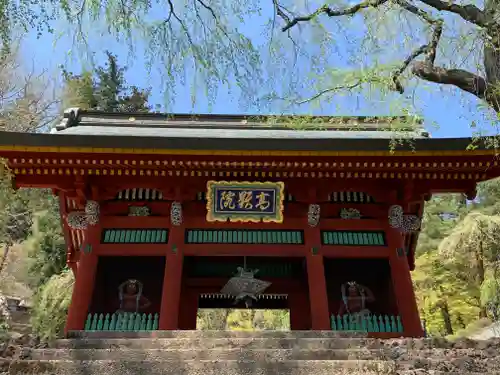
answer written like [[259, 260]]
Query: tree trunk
[[481, 274], [445, 313], [225, 315], [491, 50], [4, 257], [460, 321]]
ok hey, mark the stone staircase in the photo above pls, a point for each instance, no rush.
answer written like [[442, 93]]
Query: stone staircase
[[259, 353]]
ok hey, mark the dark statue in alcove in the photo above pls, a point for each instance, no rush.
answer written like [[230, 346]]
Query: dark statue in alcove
[[354, 299], [131, 297]]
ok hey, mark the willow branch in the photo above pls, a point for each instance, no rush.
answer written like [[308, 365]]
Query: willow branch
[[325, 9], [424, 69], [329, 90]]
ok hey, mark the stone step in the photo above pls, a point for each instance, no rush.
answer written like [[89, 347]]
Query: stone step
[[387, 353], [219, 354], [433, 372], [184, 334], [459, 364], [270, 342], [197, 367], [223, 343]]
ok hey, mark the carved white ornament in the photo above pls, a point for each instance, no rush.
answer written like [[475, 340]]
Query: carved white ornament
[[405, 223], [77, 220], [139, 211], [92, 210], [313, 215], [82, 219], [395, 216], [176, 214], [92, 220], [411, 223], [350, 213]]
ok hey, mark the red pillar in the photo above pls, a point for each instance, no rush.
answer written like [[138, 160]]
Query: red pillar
[[320, 317], [300, 318], [188, 309], [318, 297], [403, 286], [172, 281], [84, 282]]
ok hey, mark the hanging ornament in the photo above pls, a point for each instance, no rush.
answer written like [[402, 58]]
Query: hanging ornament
[[244, 286], [139, 211], [77, 220], [176, 214], [313, 215], [350, 214]]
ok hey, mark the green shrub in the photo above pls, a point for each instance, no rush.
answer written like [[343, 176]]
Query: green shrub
[[50, 306]]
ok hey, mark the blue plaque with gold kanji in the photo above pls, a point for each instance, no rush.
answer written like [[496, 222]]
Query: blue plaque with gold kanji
[[245, 201]]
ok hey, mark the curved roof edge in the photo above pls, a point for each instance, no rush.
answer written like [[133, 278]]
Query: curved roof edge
[[74, 117]]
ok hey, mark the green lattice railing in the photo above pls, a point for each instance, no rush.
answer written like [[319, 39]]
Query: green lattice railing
[[135, 236], [244, 236], [353, 238], [370, 324], [121, 322]]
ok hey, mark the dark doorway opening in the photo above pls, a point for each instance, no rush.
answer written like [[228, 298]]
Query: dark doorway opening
[[204, 278], [374, 274], [113, 271]]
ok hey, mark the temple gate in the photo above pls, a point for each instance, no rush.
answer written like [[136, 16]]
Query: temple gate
[[167, 214]]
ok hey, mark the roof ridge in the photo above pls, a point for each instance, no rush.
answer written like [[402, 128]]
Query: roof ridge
[[78, 117]]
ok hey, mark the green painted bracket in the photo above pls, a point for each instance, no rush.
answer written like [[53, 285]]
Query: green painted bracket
[[87, 249], [174, 248], [314, 250]]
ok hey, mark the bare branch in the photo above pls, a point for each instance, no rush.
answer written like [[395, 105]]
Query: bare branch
[[430, 49], [468, 12], [397, 74], [280, 13], [425, 69], [425, 16], [467, 81], [325, 9], [462, 79]]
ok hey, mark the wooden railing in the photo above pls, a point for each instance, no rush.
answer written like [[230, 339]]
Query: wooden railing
[[370, 324], [121, 322]]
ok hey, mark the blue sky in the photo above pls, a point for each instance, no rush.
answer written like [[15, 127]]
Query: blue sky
[[443, 108]]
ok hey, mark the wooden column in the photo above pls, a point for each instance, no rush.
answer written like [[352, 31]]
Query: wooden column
[[172, 280], [318, 297], [188, 309], [403, 286], [298, 303], [84, 281]]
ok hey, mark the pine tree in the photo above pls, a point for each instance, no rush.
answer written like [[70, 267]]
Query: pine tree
[[104, 89]]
